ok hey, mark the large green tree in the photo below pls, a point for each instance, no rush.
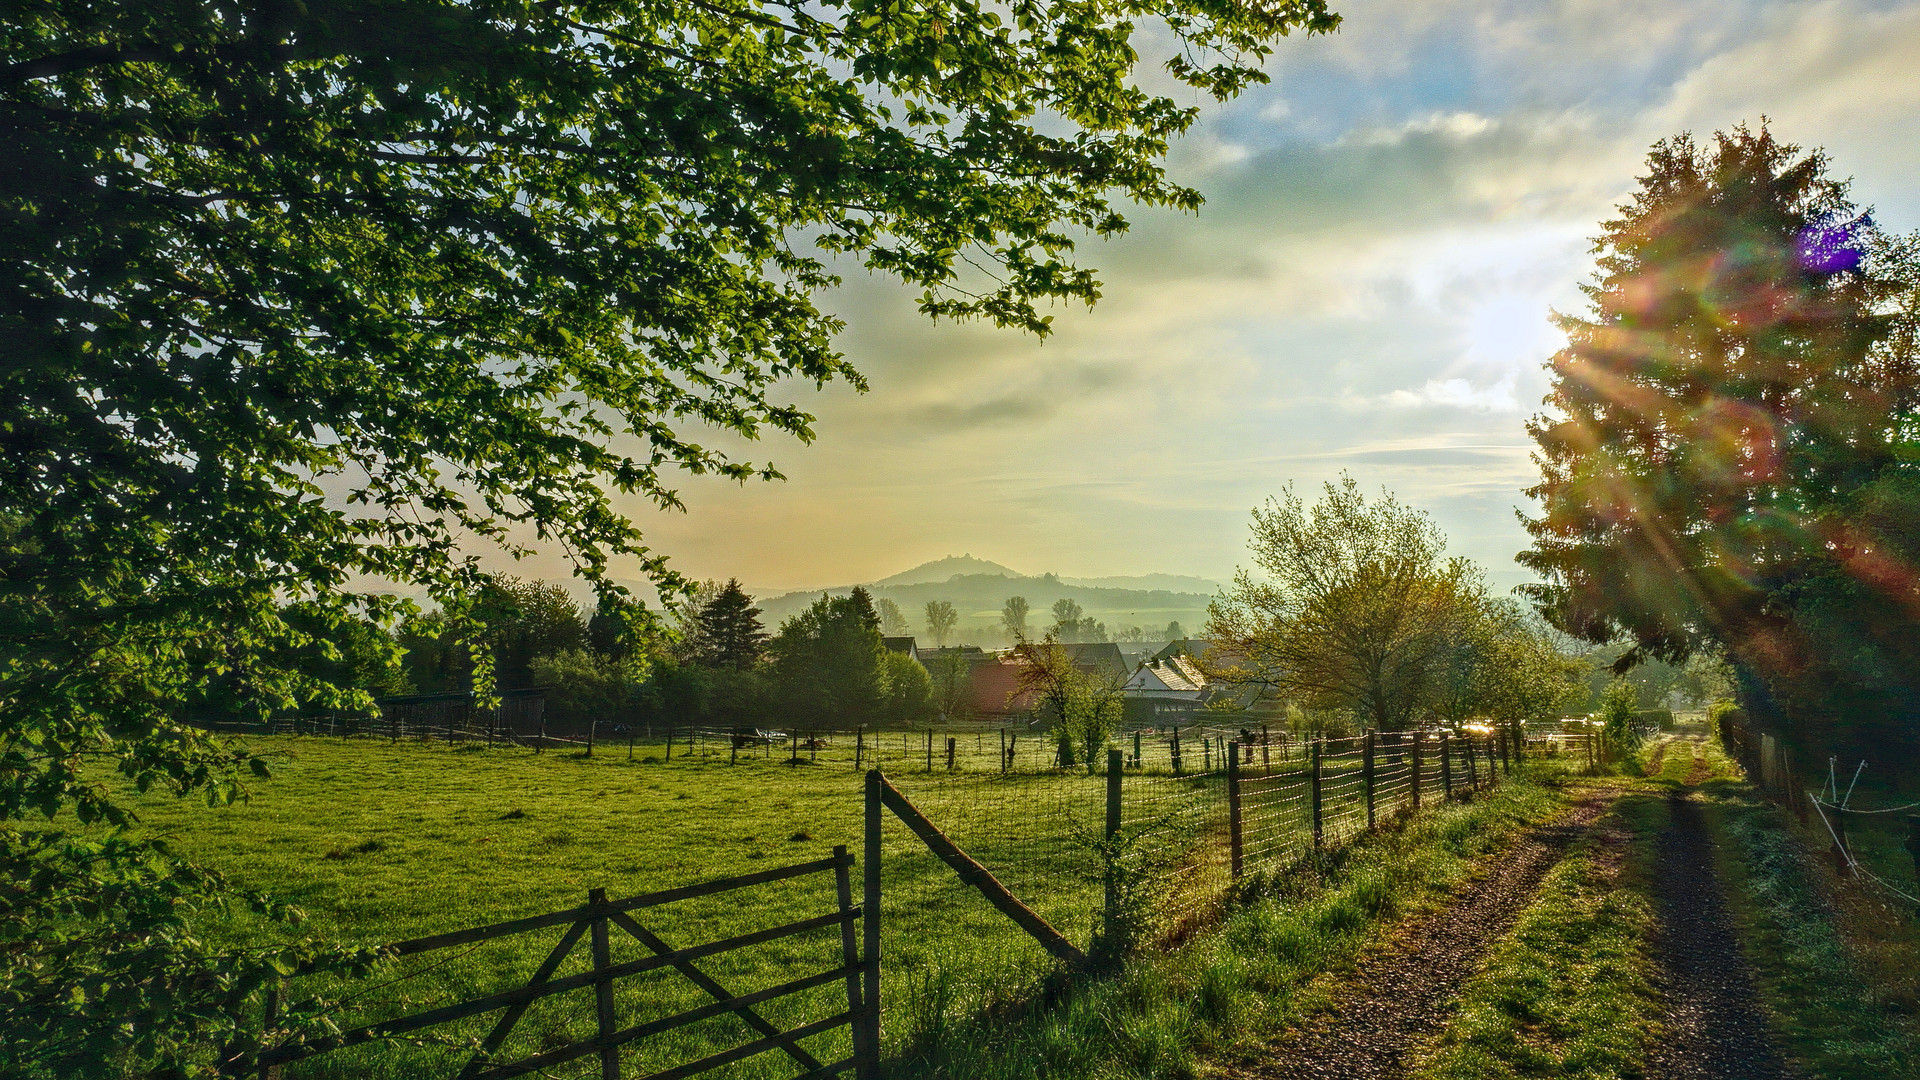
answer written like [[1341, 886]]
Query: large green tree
[[1727, 457], [306, 295], [728, 633], [830, 666], [1356, 607]]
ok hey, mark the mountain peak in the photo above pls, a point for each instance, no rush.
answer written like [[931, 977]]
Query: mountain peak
[[941, 570]]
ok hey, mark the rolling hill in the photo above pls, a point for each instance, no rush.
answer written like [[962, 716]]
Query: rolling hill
[[977, 589]]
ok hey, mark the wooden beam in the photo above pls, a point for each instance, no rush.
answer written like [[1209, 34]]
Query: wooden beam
[[978, 876]]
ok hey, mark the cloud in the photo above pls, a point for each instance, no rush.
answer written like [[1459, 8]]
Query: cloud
[[1459, 394], [1447, 125]]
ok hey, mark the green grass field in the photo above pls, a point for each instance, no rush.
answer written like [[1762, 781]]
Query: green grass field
[[380, 842]]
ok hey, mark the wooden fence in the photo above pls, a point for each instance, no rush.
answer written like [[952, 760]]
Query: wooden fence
[[595, 921]]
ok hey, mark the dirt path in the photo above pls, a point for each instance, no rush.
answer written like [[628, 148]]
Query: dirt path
[[1404, 996], [1715, 1028]]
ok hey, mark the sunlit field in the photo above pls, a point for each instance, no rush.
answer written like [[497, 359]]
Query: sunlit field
[[382, 842]]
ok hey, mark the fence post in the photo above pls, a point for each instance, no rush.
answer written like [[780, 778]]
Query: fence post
[[1266, 754], [849, 950], [1116, 767], [733, 749], [541, 746], [929, 749], [1318, 746], [1913, 843], [1003, 750], [1366, 774], [870, 928], [1235, 845], [1206, 747], [1473, 770], [859, 747], [603, 985], [950, 742], [1136, 748], [592, 725], [1416, 769], [1176, 750], [1446, 767], [793, 748], [1493, 774]]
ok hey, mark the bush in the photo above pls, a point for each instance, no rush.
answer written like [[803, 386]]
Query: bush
[[1660, 718], [1618, 706]]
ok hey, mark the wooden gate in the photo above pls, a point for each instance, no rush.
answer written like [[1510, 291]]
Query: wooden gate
[[595, 921]]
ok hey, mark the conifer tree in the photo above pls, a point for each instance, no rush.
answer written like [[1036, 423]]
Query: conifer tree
[[728, 632], [1724, 457]]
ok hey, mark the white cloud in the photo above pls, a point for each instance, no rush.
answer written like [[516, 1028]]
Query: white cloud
[[1459, 394], [1457, 126]]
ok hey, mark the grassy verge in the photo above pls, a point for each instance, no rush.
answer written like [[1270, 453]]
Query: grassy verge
[[1223, 994], [1837, 983], [1569, 992]]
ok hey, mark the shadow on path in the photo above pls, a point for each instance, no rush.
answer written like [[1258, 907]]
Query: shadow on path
[[1715, 1029]]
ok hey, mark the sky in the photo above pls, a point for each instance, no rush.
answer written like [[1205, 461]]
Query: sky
[[1388, 226]]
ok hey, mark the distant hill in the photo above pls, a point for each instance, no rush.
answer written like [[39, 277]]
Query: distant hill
[[1162, 582], [943, 569], [1121, 602]]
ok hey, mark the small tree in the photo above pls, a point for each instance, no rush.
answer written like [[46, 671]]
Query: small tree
[[1084, 708], [1013, 618], [941, 619], [910, 692], [952, 687], [893, 622], [1617, 708]]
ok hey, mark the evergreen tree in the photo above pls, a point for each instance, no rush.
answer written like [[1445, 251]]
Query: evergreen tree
[[728, 632], [1725, 462], [863, 603]]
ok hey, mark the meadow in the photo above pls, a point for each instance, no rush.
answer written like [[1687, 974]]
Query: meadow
[[380, 842]]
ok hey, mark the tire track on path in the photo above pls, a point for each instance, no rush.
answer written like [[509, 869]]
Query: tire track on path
[[1398, 999], [1715, 1027]]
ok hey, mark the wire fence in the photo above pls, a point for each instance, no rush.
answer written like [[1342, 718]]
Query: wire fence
[[1188, 811], [1868, 818]]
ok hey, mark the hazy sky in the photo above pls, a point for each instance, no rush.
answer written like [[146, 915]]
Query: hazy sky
[[1367, 289]]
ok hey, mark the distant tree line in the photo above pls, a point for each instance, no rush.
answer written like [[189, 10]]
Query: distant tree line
[[715, 664]]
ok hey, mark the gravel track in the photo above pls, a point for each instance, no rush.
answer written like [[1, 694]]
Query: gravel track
[[1715, 1029], [1401, 997]]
